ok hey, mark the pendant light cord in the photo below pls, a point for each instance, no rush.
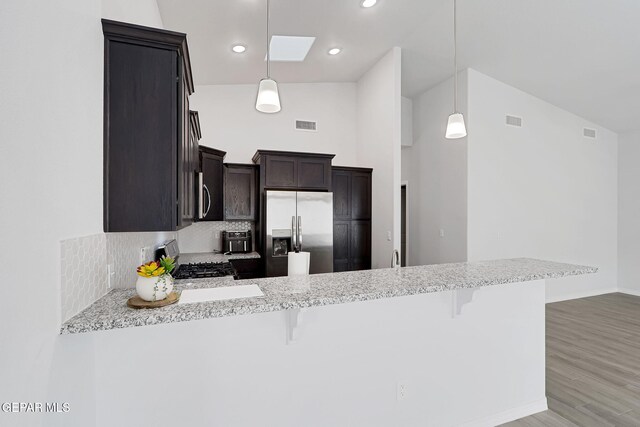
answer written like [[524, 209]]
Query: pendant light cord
[[268, 45], [455, 59]]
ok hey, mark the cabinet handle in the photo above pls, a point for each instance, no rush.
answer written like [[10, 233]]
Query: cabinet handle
[[204, 187], [294, 239], [300, 233]]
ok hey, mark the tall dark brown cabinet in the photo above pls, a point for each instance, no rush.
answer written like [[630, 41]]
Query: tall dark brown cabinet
[[351, 218], [149, 164]]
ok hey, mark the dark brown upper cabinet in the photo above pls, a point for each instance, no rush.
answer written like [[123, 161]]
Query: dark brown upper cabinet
[[190, 177], [211, 196], [285, 170], [240, 192], [148, 165], [351, 218]]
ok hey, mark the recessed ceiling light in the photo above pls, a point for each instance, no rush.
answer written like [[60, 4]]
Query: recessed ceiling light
[[335, 51], [239, 48], [368, 3]]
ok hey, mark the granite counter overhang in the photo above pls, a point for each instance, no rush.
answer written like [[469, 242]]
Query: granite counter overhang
[[284, 293]]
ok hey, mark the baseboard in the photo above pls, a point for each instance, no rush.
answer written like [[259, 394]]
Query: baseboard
[[627, 291], [590, 293], [509, 415]]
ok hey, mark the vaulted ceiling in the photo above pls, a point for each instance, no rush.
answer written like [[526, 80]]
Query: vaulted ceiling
[[581, 55]]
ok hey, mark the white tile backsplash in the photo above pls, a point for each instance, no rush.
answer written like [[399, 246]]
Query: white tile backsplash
[[123, 252], [83, 273], [206, 236]]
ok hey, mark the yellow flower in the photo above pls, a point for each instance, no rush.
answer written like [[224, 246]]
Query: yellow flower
[[152, 269]]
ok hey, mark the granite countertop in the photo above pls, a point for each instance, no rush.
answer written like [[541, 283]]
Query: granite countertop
[[282, 293], [215, 257]]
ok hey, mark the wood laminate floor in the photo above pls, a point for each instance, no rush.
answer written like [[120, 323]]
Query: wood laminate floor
[[593, 363]]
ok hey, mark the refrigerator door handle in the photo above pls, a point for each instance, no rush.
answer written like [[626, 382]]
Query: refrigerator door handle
[[206, 190], [294, 240], [299, 233], [201, 196]]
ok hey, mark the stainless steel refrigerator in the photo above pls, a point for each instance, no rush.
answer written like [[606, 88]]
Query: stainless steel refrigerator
[[303, 220]]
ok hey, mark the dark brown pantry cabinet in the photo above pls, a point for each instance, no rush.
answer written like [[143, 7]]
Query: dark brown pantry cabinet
[[149, 169], [351, 218], [240, 192], [211, 188]]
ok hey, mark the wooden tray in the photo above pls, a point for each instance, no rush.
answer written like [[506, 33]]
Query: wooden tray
[[137, 302]]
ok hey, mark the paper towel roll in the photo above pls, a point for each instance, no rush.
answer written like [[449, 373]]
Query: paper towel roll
[[299, 263]]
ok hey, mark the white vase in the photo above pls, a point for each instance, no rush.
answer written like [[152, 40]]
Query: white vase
[[154, 288]]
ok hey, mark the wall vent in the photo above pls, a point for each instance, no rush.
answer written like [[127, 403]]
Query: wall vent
[[306, 125], [589, 133], [514, 121]]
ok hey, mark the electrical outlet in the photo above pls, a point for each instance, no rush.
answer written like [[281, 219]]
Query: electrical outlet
[[388, 235], [217, 235], [442, 232], [143, 255], [401, 392]]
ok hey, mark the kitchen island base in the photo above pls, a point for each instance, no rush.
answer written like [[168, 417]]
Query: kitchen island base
[[477, 363]]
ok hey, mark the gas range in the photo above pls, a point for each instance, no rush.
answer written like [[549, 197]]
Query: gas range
[[203, 270]]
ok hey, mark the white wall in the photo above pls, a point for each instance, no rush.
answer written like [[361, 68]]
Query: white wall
[[230, 122], [629, 212], [436, 169], [542, 190], [51, 170], [141, 12], [407, 122], [379, 139]]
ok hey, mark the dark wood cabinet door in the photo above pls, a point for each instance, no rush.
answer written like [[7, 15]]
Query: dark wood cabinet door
[[341, 184], [248, 268], [314, 173], [140, 188], [341, 243], [240, 192], [212, 178], [360, 195], [360, 247], [352, 218], [186, 205], [281, 172]]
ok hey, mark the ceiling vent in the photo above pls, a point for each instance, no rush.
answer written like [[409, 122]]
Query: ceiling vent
[[306, 125], [514, 121], [589, 133]]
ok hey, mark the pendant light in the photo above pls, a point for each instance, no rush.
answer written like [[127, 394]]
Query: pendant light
[[268, 100], [455, 125]]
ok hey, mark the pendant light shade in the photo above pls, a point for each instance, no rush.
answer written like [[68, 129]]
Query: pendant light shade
[[455, 125], [268, 98]]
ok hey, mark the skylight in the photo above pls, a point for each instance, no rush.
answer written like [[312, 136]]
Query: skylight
[[290, 48]]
